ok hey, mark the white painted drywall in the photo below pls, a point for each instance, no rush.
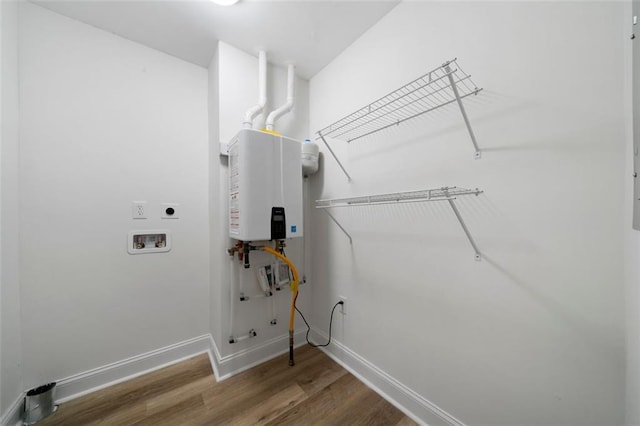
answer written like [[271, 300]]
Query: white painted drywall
[[632, 237], [10, 341], [233, 89], [632, 279], [216, 212], [534, 333], [105, 121]]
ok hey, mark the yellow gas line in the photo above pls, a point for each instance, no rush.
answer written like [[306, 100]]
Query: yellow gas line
[[293, 286]]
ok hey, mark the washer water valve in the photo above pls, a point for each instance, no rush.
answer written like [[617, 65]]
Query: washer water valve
[[153, 241]]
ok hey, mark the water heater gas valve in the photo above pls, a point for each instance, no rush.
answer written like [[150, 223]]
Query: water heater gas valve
[[237, 248]]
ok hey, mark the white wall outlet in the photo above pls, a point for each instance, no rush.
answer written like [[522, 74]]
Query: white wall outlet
[[139, 209], [169, 211], [343, 306]]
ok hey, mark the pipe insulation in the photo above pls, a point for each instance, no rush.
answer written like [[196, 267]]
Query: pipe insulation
[[253, 112], [288, 106]]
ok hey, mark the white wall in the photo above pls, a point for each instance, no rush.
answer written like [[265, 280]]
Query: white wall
[[632, 278], [105, 121], [632, 237], [216, 244], [534, 333], [233, 89], [10, 341]]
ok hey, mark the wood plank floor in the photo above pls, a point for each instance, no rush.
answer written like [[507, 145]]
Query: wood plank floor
[[316, 391]]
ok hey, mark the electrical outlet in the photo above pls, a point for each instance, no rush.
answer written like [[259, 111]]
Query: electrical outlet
[[343, 307], [139, 209], [169, 211]]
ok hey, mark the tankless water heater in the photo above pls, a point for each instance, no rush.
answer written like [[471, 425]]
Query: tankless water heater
[[265, 187]]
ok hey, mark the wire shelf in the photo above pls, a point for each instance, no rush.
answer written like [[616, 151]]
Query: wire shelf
[[437, 88], [447, 193], [440, 194]]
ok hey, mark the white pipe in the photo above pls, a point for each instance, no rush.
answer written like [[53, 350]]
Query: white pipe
[[232, 296], [262, 89], [274, 319], [250, 335], [274, 115]]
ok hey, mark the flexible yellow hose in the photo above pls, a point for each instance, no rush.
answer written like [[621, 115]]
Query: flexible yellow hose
[[293, 286]]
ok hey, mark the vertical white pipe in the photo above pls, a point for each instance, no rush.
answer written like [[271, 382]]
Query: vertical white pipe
[[232, 295], [274, 320], [287, 107], [291, 80], [262, 79], [262, 91]]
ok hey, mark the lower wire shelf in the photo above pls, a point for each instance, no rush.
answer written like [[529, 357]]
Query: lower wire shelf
[[447, 193]]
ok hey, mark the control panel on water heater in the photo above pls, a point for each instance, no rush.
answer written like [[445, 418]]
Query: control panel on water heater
[[278, 224], [265, 187]]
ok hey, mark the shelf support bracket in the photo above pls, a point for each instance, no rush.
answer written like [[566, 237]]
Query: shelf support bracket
[[338, 161], [339, 226], [478, 153], [464, 228]]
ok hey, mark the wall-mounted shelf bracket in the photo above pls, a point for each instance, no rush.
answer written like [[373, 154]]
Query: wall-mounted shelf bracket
[[448, 193], [340, 226], [456, 93], [333, 154], [463, 225]]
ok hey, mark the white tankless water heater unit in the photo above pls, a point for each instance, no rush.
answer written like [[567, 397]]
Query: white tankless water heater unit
[[265, 187]]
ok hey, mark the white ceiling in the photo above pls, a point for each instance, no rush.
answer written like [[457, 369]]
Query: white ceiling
[[309, 34]]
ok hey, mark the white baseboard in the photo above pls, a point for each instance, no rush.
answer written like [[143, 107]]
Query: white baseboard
[[102, 377], [13, 416], [411, 403], [224, 367], [230, 365], [117, 372]]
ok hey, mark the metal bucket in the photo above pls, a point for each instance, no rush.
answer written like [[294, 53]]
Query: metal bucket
[[38, 404]]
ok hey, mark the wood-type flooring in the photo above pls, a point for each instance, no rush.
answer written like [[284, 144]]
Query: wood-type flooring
[[316, 391]]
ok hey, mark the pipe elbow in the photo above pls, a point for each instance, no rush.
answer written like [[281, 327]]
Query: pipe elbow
[[253, 112], [287, 107], [276, 114]]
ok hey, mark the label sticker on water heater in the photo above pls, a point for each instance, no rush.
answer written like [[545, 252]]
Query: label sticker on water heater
[[293, 228]]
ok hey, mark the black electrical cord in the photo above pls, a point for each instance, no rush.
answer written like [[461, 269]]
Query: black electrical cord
[[307, 324], [309, 328]]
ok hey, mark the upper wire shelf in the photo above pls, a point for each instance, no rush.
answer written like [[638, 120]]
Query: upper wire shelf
[[429, 92], [439, 87]]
